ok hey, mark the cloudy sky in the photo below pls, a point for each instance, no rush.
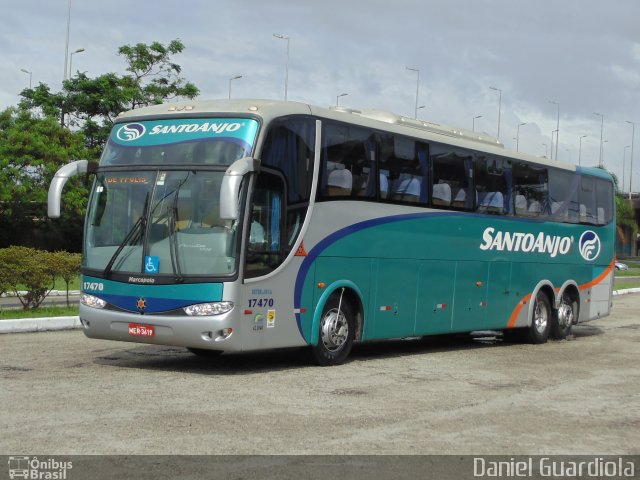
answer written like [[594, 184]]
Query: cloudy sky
[[582, 54]]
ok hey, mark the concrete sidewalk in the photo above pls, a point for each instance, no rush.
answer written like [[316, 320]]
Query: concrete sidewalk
[[23, 325], [44, 324]]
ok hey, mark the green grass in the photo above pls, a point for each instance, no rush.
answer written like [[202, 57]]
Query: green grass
[[8, 314], [632, 272], [624, 286]]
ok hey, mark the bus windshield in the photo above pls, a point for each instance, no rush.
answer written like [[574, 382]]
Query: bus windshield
[[155, 205], [159, 222]]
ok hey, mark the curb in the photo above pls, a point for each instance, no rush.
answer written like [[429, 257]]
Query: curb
[[626, 291], [45, 324]]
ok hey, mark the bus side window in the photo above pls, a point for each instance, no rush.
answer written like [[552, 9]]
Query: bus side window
[[587, 200], [348, 162], [494, 181], [404, 170], [563, 195], [530, 192], [452, 179], [604, 194]]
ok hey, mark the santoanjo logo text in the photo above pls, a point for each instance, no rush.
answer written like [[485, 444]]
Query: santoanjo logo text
[[552, 245], [196, 127]]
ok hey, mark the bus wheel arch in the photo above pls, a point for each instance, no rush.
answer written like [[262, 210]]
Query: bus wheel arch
[[337, 324], [567, 312]]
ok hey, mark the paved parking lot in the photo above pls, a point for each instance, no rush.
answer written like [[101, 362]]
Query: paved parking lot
[[62, 393]]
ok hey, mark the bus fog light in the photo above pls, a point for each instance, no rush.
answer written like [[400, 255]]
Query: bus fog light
[[224, 333], [214, 308], [92, 301]]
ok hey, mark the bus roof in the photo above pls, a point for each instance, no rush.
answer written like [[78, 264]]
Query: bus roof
[[268, 110]]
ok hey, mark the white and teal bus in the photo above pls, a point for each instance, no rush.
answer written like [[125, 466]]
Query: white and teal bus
[[225, 226]]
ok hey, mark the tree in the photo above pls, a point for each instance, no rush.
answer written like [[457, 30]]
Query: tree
[[65, 265], [28, 273], [32, 148], [92, 104]]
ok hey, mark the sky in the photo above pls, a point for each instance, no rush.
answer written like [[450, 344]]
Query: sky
[[584, 55]]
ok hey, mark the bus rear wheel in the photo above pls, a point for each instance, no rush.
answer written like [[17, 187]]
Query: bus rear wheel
[[564, 317], [541, 319], [337, 331]]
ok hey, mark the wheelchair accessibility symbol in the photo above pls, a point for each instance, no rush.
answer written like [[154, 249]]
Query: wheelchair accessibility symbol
[[151, 264]]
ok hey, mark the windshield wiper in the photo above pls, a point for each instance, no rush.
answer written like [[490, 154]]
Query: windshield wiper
[[132, 236], [173, 237]]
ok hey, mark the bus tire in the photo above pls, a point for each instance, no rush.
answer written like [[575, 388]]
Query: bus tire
[[541, 319], [337, 332], [564, 317]]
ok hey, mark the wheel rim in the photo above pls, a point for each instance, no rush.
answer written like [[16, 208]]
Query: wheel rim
[[540, 317], [334, 330], [565, 314]]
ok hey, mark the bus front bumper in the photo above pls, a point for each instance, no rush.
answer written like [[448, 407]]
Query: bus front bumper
[[202, 332]]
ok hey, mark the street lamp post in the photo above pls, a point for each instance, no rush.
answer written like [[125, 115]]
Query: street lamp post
[[338, 98], [633, 134], [499, 107], [518, 136], [231, 80], [66, 44], [415, 112], [473, 127], [580, 151], [601, 131], [420, 107], [286, 68], [79, 50], [24, 70], [557, 126], [624, 161], [546, 150]]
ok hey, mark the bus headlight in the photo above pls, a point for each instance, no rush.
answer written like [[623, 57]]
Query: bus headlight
[[214, 308], [91, 301]]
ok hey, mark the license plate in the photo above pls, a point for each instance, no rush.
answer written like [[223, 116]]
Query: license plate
[[138, 330]]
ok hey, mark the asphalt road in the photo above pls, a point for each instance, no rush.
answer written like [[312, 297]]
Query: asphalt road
[[62, 393]]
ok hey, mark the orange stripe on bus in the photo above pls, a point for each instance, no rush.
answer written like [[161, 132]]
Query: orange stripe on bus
[[516, 311], [600, 277], [525, 300]]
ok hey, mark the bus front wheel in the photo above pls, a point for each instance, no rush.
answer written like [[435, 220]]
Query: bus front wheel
[[337, 331]]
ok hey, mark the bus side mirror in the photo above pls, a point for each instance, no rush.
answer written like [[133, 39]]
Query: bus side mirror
[[230, 188], [57, 184]]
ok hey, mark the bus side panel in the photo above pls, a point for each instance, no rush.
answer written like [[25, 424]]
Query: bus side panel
[[500, 300], [435, 297], [469, 305], [600, 294], [394, 307], [524, 278]]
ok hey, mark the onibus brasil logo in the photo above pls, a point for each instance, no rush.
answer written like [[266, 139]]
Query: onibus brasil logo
[[34, 468], [130, 132]]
